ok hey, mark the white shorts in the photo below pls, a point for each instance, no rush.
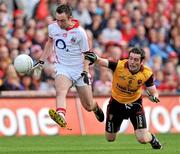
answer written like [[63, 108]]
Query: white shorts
[[71, 72]]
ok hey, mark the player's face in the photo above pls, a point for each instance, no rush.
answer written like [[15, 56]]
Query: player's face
[[134, 62], [62, 20]]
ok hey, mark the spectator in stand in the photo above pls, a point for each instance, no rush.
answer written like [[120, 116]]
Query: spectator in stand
[[169, 69], [42, 5], [164, 24], [169, 83], [96, 26], [157, 63], [136, 17], [5, 61], [19, 33], [93, 8], [13, 44], [159, 78], [18, 23], [11, 81], [128, 31], [148, 24], [81, 13], [116, 15], [4, 55], [48, 85], [103, 85], [13, 54], [178, 86], [143, 7], [111, 33], [36, 52], [152, 35], [24, 46], [39, 38], [30, 29], [161, 48], [176, 46], [173, 57], [148, 60], [4, 17], [3, 67], [112, 51], [26, 82], [4, 31], [124, 49], [139, 39], [106, 12], [3, 41]]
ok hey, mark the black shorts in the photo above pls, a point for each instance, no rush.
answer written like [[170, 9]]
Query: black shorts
[[117, 112]]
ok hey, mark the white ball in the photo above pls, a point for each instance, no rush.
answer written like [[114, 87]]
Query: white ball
[[23, 63]]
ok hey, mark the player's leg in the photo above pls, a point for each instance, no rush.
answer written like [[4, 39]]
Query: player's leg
[[110, 137], [113, 120], [86, 97], [62, 84], [138, 120], [144, 136]]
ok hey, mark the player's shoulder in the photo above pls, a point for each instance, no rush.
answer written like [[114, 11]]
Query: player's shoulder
[[53, 24], [146, 68], [147, 71], [121, 64], [54, 28]]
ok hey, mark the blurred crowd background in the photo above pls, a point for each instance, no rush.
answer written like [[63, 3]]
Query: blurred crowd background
[[113, 27]]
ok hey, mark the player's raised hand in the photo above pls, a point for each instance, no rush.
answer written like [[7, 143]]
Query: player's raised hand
[[91, 56]]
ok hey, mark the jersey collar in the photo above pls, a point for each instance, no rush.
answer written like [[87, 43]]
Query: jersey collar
[[76, 24]]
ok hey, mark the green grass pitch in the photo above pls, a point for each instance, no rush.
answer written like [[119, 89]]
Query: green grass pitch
[[125, 144]]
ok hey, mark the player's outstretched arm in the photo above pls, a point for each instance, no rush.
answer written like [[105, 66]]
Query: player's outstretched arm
[[93, 58], [102, 62], [37, 68], [47, 49]]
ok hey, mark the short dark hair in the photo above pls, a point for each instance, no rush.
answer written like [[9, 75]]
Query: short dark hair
[[138, 51], [64, 8]]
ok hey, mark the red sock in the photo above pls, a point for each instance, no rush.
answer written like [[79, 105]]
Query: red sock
[[61, 110]]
